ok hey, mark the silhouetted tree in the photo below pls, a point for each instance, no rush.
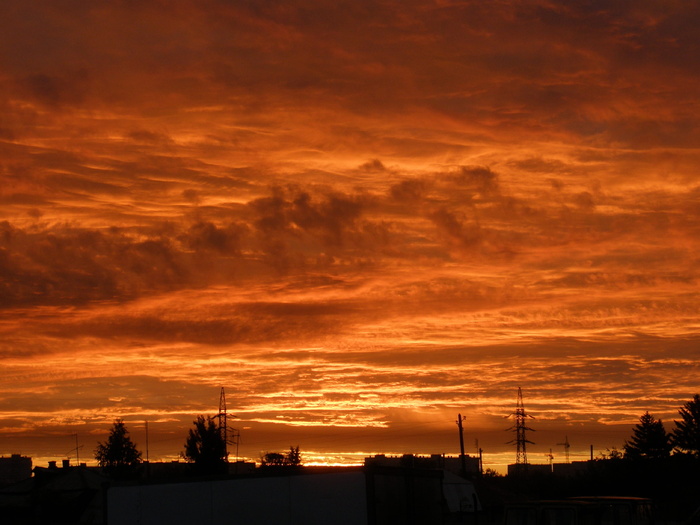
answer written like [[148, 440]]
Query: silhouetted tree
[[205, 446], [272, 459], [649, 440], [293, 456], [611, 454], [277, 459], [686, 435], [118, 455]]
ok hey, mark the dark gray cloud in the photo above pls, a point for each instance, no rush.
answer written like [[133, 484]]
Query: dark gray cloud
[[67, 265], [240, 324], [299, 228], [543, 66]]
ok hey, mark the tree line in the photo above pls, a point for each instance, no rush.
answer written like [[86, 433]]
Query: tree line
[[655, 462], [205, 448], [650, 440]]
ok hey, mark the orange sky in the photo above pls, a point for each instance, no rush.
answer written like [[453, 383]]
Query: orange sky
[[362, 218]]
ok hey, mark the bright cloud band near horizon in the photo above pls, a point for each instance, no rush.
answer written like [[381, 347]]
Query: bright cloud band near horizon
[[361, 218]]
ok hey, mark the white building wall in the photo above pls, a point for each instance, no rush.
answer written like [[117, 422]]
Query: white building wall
[[338, 498]]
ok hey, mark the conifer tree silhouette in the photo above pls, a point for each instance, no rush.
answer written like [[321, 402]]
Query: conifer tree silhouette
[[686, 435], [649, 440], [118, 455]]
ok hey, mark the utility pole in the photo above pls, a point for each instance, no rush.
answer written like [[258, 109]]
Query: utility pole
[[235, 440], [480, 455], [148, 462], [460, 419], [566, 446], [550, 458]]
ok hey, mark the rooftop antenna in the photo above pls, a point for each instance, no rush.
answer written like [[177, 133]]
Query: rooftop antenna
[[76, 450], [566, 446], [520, 429]]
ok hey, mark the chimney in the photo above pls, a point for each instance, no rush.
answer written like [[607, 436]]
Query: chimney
[[66, 463], [52, 464]]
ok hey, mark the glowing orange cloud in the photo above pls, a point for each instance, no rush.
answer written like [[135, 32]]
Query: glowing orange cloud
[[360, 220]]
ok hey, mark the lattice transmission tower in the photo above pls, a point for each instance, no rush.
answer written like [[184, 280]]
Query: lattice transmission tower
[[520, 428], [224, 429]]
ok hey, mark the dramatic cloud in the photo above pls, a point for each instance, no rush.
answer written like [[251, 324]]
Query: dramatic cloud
[[361, 218]]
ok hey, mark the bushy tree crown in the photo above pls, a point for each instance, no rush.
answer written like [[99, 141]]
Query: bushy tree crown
[[205, 446], [277, 459]]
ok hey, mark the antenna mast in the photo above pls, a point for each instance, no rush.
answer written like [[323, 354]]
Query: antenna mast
[[520, 429], [76, 450]]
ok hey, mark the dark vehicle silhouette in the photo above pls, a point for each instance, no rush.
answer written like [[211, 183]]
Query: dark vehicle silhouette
[[582, 511]]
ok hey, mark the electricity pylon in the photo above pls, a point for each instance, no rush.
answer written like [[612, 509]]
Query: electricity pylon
[[223, 424], [520, 429], [224, 428]]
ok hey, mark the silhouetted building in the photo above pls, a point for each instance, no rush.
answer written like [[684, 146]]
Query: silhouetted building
[[344, 496], [529, 469], [15, 468], [434, 461], [55, 495], [165, 470], [241, 467], [555, 469], [179, 469], [571, 469]]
